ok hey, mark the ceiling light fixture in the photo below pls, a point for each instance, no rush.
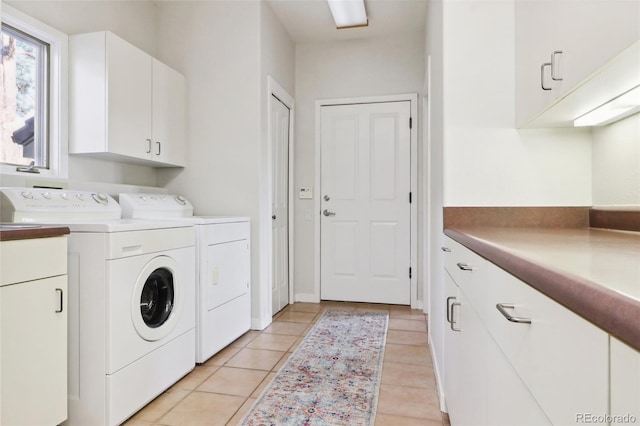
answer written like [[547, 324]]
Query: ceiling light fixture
[[348, 13], [616, 109]]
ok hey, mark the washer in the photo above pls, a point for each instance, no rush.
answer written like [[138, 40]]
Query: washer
[[223, 267], [131, 300]]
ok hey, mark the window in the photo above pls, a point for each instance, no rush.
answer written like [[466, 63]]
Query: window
[[33, 98]]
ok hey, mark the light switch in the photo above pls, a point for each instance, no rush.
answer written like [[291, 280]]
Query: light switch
[[306, 193]]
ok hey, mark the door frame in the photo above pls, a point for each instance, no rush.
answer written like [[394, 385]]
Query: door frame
[[413, 134], [275, 89]]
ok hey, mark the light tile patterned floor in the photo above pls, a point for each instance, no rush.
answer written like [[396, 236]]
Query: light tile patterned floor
[[223, 389]]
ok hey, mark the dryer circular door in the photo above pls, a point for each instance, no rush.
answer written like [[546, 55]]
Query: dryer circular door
[[156, 304]]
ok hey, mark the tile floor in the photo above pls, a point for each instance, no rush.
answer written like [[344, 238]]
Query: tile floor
[[223, 389]]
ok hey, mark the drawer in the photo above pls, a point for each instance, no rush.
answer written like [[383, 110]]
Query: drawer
[[468, 270], [557, 354], [32, 259]]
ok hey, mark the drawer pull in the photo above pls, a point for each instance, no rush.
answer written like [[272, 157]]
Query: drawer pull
[[445, 249], [465, 266], [502, 308]]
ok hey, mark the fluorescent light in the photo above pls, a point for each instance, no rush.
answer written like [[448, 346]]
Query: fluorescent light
[[620, 107], [348, 13]]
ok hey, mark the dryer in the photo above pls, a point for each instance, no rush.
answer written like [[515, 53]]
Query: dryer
[[223, 267], [131, 300]]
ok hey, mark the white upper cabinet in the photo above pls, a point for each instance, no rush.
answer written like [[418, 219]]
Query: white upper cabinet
[[124, 104], [560, 44], [168, 119]]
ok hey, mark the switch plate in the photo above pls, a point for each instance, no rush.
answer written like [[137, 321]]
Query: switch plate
[[306, 193]]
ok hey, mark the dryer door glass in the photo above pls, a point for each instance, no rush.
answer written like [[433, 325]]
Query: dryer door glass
[[157, 298]]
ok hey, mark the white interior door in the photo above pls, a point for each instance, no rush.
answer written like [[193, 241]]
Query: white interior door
[[280, 203], [365, 252]]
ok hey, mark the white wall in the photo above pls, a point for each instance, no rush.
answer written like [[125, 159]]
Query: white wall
[[616, 163], [339, 70], [225, 49], [133, 21], [486, 161]]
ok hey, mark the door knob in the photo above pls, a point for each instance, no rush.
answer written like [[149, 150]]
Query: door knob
[[328, 213]]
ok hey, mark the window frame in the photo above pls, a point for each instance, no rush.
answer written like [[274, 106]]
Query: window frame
[[57, 123]]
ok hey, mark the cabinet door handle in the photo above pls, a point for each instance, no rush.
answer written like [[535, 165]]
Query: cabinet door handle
[[502, 308], [61, 293], [449, 299], [553, 65], [453, 305], [148, 146], [445, 249], [464, 266], [159, 146], [542, 67]]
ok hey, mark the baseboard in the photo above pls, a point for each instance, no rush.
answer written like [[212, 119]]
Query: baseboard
[[307, 298], [260, 323], [438, 376]]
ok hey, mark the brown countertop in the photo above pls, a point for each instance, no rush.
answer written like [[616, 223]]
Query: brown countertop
[[17, 231], [593, 272]]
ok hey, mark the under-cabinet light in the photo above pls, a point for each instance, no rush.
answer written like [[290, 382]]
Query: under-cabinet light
[[616, 109], [348, 13]]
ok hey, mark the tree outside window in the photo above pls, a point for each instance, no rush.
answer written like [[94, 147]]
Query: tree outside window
[[23, 99]]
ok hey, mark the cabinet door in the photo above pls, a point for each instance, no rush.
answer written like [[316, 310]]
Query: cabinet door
[[591, 32], [509, 402], [451, 348], [535, 26], [625, 381], [129, 99], [168, 115], [34, 352], [465, 360]]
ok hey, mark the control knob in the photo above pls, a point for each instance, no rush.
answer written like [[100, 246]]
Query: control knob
[[28, 195], [181, 200], [101, 198]]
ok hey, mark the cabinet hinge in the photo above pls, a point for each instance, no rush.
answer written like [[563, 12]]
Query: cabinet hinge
[[411, 122], [410, 197], [410, 272]]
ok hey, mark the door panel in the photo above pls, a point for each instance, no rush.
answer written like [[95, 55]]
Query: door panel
[[365, 185], [280, 204]]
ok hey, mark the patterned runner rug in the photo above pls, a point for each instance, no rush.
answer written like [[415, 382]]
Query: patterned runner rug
[[332, 378]]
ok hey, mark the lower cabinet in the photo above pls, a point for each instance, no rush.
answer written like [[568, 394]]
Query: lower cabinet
[[33, 331], [33, 326], [465, 354], [514, 356], [625, 383]]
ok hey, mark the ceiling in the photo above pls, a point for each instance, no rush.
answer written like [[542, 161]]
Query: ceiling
[[310, 21]]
